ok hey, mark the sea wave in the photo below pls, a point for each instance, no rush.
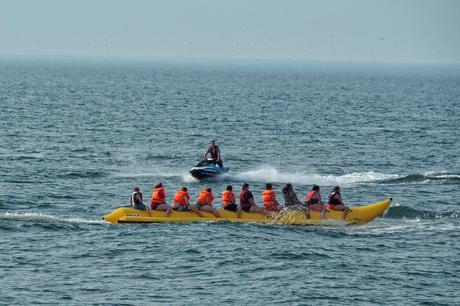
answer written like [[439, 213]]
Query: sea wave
[[270, 174], [403, 226], [77, 174], [436, 177], [45, 218], [22, 156], [401, 212], [156, 173]]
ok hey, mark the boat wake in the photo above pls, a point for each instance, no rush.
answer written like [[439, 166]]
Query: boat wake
[[405, 212], [442, 177], [45, 218], [270, 174]]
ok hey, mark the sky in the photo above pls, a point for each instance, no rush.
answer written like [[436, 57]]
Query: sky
[[406, 31]]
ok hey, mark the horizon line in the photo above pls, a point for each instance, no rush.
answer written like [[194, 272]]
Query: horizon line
[[192, 59]]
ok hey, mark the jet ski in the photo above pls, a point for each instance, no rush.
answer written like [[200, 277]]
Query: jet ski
[[207, 169]]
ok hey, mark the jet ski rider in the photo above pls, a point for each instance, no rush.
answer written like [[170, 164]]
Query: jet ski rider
[[214, 151]]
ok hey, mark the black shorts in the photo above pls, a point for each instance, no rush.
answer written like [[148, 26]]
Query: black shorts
[[182, 208], [199, 205], [231, 207], [246, 208]]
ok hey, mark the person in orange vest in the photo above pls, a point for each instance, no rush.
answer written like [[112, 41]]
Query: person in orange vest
[[335, 202], [158, 199], [229, 201], [205, 200], [314, 202], [181, 202], [269, 199]]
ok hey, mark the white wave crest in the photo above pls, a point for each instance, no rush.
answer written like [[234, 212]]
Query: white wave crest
[[441, 175], [270, 174], [417, 225], [39, 217]]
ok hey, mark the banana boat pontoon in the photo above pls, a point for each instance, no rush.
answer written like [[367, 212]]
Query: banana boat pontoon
[[358, 215]]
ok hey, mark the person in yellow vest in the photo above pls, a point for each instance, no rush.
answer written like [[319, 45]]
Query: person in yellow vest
[[158, 200], [269, 199], [229, 201], [205, 200]]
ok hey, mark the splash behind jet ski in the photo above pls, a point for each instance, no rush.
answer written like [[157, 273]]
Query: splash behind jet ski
[[207, 169]]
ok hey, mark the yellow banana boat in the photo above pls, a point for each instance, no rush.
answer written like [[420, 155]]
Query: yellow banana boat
[[358, 215]]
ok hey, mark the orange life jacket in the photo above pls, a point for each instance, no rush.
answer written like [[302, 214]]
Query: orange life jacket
[[179, 197], [158, 196], [267, 198], [228, 197], [202, 197], [309, 197]]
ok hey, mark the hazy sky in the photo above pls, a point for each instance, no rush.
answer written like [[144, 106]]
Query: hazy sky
[[396, 31]]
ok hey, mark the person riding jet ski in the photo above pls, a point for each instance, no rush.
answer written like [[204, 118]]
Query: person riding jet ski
[[214, 152]]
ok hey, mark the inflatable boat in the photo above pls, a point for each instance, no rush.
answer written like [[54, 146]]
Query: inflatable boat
[[358, 215]]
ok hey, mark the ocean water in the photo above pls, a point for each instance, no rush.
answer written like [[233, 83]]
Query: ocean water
[[77, 135]]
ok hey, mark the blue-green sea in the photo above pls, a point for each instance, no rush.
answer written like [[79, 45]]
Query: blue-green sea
[[76, 135]]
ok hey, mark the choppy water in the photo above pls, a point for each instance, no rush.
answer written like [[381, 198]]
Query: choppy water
[[77, 136]]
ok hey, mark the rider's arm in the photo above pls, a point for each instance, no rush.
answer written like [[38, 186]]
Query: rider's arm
[[339, 197], [320, 201], [275, 200], [250, 198], [163, 196], [218, 155]]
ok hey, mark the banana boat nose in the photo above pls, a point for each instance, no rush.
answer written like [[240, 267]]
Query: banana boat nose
[[114, 216]]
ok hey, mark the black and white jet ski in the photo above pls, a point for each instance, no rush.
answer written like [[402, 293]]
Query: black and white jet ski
[[207, 169]]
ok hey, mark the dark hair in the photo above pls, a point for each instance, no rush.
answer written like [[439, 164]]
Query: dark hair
[[245, 185], [286, 188], [335, 189], [268, 186], [229, 188], [184, 188], [315, 188], [136, 189], [208, 189], [159, 185]]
